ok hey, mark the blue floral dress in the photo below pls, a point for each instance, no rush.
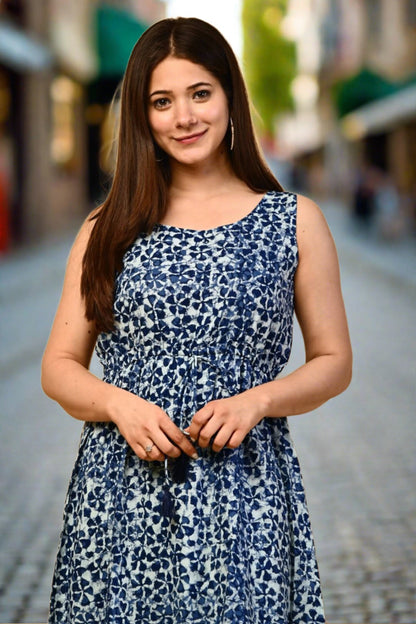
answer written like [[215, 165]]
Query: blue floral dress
[[199, 315]]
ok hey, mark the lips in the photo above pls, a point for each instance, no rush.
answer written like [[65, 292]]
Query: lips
[[190, 138]]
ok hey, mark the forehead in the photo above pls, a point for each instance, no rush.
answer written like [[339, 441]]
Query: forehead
[[175, 74]]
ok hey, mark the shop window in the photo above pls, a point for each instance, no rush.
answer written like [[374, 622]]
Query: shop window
[[64, 95], [4, 99], [13, 9], [330, 35], [374, 17], [411, 12]]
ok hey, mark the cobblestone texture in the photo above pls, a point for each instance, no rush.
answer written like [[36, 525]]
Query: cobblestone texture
[[358, 452]]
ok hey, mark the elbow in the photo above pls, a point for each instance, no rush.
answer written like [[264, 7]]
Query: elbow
[[344, 373], [344, 383], [348, 375], [44, 381], [46, 377]]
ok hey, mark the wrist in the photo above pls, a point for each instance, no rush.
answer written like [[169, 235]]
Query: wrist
[[113, 404], [262, 399]]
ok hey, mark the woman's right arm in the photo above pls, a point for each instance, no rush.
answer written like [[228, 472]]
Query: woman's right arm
[[65, 374], [67, 380]]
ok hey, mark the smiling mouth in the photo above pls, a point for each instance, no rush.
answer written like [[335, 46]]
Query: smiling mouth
[[190, 138]]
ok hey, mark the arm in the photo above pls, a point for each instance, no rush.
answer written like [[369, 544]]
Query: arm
[[320, 311], [67, 380], [65, 375], [327, 370]]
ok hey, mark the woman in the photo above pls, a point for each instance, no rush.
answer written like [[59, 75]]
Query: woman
[[186, 503]]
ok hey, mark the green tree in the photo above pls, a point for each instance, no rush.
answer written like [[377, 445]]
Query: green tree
[[269, 60]]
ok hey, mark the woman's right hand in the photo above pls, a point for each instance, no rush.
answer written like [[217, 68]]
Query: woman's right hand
[[144, 425], [66, 378]]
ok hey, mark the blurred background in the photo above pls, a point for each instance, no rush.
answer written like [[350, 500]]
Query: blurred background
[[333, 86]]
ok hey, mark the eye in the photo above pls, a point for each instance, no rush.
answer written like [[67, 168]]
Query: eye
[[202, 94], [161, 103]]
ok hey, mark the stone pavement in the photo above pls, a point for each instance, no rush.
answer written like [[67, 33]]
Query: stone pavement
[[37, 442], [358, 452], [393, 260]]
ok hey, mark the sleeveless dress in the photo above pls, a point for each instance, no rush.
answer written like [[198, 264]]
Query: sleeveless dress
[[199, 315]]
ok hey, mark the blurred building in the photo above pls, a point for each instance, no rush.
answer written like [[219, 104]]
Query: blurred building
[[60, 63], [355, 92], [104, 34], [26, 69]]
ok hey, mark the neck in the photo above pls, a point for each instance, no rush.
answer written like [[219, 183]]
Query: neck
[[202, 179]]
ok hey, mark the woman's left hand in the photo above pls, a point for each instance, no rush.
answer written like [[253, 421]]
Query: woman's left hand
[[226, 422]]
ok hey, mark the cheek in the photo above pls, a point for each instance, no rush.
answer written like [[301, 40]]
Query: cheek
[[157, 124], [221, 120], [220, 114]]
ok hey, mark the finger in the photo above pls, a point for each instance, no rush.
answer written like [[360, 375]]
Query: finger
[[179, 440], [200, 418], [172, 441], [165, 445], [210, 430], [140, 452], [221, 439], [153, 453], [236, 439]]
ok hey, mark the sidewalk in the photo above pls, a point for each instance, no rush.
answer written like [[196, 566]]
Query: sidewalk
[[358, 466], [395, 260], [40, 267], [38, 272], [34, 274]]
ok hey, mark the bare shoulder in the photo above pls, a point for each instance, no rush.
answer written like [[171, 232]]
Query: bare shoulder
[[309, 214], [81, 240], [312, 227]]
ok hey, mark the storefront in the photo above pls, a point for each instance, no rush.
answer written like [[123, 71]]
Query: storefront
[[21, 58], [104, 36], [384, 131]]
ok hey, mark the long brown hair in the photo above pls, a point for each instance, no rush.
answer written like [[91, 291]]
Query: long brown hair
[[138, 197]]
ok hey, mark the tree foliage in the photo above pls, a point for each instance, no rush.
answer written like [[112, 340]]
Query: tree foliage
[[268, 59]]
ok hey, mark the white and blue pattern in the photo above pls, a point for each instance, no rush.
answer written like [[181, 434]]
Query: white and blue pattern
[[199, 315]]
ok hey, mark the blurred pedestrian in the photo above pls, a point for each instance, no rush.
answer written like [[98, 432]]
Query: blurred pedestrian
[[388, 216], [4, 202], [186, 503], [363, 200]]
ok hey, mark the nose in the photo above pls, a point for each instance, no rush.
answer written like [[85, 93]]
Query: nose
[[185, 115]]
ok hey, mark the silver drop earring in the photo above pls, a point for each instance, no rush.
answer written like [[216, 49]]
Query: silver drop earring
[[232, 134]]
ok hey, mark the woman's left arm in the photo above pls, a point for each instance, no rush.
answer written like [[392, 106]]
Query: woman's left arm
[[327, 370], [320, 311]]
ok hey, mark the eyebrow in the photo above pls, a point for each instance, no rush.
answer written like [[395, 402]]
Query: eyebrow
[[190, 88]]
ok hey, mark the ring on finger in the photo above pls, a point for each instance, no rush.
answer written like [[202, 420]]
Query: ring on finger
[[149, 447]]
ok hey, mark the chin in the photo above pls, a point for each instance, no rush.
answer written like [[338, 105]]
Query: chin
[[199, 158], [189, 159]]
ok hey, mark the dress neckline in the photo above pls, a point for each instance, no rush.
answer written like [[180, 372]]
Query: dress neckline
[[165, 226]]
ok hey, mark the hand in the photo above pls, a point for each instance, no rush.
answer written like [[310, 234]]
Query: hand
[[146, 426], [226, 422]]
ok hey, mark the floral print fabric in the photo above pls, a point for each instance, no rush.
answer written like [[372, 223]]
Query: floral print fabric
[[200, 315]]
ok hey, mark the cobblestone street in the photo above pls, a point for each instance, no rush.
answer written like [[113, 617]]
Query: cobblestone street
[[358, 452]]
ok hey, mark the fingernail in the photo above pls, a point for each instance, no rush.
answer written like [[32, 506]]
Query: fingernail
[[195, 456]]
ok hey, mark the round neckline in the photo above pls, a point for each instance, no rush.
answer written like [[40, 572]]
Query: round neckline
[[166, 226]]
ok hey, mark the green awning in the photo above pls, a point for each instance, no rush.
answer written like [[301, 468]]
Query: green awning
[[382, 115], [364, 87], [117, 32]]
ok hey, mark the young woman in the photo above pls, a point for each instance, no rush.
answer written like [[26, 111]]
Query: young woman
[[186, 504]]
